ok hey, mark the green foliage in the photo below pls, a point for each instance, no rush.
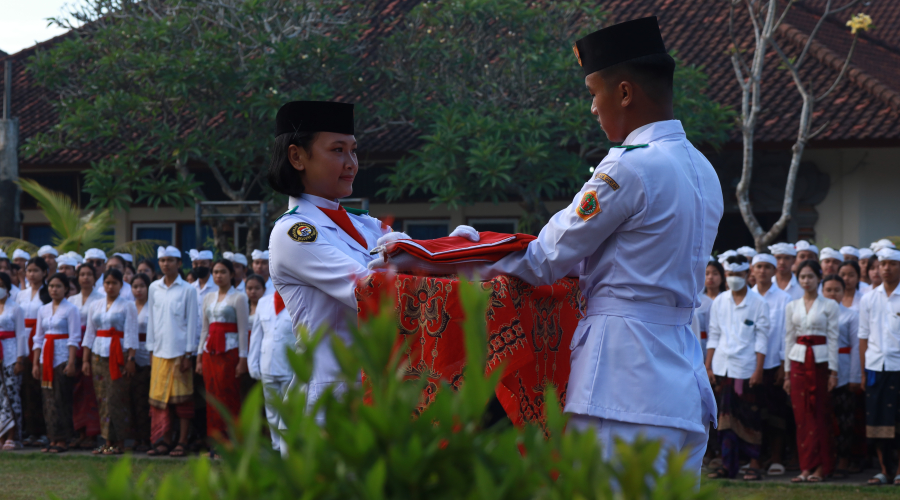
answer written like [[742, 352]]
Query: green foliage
[[496, 90], [378, 450], [163, 86]]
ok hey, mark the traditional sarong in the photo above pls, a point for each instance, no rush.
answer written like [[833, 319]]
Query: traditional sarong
[[7, 414], [740, 422], [47, 356], [58, 406], [113, 398], [222, 384], [85, 411], [215, 340], [813, 414], [12, 384], [32, 403], [139, 395], [882, 404], [162, 422], [845, 418], [168, 384]]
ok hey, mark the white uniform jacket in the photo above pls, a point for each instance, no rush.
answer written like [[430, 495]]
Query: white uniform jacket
[[121, 315], [315, 265], [642, 229], [738, 333], [271, 336], [778, 300], [822, 320]]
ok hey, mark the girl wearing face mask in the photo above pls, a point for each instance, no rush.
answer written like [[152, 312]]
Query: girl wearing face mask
[[139, 384], [13, 350], [85, 410], [109, 344], [849, 375], [31, 300], [736, 352], [223, 348], [812, 326], [57, 337]]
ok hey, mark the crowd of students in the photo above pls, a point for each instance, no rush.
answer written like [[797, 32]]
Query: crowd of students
[[100, 346], [803, 351]]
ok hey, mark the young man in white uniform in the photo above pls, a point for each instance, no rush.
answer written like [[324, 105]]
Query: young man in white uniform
[[786, 256], [641, 230]]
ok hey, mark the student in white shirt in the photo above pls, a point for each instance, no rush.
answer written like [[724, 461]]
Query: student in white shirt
[[853, 293], [139, 384], [866, 259], [85, 410], [777, 411], [805, 251], [736, 353], [879, 346], [239, 261], [260, 266], [271, 338], [830, 260], [171, 334], [811, 345], [14, 347], [222, 352], [109, 344], [57, 337], [785, 257], [255, 288], [31, 300], [119, 263], [848, 384]]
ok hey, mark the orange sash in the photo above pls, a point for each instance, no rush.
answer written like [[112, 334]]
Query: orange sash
[[47, 355], [116, 358]]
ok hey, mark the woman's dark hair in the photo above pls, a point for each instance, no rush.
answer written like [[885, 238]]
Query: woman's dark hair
[[721, 271], [255, 277], [142, 277], [38, 261], [834, 277], [6, 282], [114, 274], [283, 177], [855, 266], [812, 264], [73, 281], [149, 264], [62, 279], [227, 263], [89, 266]]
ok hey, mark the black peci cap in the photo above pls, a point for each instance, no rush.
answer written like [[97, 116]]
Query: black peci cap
[[619, 43], [314, 116]]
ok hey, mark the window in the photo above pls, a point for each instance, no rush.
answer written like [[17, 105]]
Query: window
[[189, 237], [501, 225], [39, 235], [159, 232], [426, 229]]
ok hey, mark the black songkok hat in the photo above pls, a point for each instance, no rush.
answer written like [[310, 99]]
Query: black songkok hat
[[314, 116], [619, 43]]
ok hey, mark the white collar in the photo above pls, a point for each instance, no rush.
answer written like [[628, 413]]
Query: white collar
[[321, 202], [651, 131]]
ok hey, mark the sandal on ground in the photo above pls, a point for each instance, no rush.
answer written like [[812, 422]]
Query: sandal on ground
[[719, 473], [159, 449], [776, 469], [58, 449], [98, 450], [42, 441], [752, 474], [113, 450], [800, 479], [815, 479], [9, 445], [897, 480], [179, 450], [29, 441], [878, 480]]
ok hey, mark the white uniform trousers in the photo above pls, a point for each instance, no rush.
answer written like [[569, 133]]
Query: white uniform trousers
[[273, 390], [694, 443]]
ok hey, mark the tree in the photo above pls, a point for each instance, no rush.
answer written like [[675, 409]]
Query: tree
[[164, 87], [496, 92], [74, 230], [766, 18]]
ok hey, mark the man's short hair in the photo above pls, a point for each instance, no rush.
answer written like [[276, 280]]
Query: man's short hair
[[655, 74]]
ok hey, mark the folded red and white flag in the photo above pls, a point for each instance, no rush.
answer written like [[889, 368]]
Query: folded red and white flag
[[456, 249]]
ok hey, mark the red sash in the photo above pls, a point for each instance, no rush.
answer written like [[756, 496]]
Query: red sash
[[809, 364], [4, 336], [342, 220], [47, 355], [31, 324], [703, 335], [279, 303], [215, 339], [116, 358], [845, 350]]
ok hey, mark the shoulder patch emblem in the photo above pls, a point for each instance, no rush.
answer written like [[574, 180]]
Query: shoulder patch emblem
[[303, 232], [607, 179], [589, 206]]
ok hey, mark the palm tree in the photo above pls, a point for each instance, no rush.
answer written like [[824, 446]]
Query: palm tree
[[73, 230]]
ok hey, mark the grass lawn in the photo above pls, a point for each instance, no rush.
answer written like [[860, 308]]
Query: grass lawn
[[34, 475]]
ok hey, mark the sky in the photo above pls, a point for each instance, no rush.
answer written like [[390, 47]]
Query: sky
[[23, 22]]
